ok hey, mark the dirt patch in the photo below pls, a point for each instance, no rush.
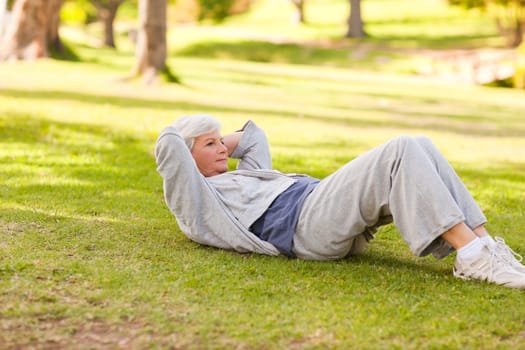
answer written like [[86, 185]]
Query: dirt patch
[[63, 334], [12, 228]]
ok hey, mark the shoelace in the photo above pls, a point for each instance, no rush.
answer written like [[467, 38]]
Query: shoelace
[[508, 253], [496, 257]]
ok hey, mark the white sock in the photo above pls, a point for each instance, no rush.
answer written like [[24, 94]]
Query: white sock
[[488, 241], [470, 250]]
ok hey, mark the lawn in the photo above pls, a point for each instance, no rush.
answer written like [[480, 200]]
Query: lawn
[[91, 258]]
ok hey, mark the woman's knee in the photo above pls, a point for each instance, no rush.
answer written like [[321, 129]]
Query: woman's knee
[[417, 142], [424, 141], [402, 142]]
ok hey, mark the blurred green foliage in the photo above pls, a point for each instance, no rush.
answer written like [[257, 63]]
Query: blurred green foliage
[[509, 18], [215, 9], [484, 3], [85, 12], [519, 78], [78, 11]]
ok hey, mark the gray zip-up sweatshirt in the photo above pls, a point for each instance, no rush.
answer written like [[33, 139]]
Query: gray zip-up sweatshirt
[[218, 210]]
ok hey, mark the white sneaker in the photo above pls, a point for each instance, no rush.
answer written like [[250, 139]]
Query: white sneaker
[[513, 258], [490, 266]]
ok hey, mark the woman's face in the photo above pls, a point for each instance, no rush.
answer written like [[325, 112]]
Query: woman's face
[[210, 154]]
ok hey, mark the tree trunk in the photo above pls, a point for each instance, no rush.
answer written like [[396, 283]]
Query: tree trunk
[[53, 24], [106, 12], [518, 33], [355, 21], [151, 41], [299, 11], [109, 18], [32, 29], [3, 16]]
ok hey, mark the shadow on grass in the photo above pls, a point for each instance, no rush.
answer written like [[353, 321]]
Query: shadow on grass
[[417, 41], [423, 38], [86, 169], [370, 53], [437, 121], [65, 52], [335, 55]]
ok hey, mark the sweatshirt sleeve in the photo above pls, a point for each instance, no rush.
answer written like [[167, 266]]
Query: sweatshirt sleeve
[[253, 150], [195, 203]]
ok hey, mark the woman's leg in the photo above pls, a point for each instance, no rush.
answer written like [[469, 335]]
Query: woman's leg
[[459, 236], [399, 181], [396, 181], [474, 217]]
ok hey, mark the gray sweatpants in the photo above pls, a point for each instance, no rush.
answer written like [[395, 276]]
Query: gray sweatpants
[[406, 181]]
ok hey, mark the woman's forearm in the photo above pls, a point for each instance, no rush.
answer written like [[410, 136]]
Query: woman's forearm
[[231, 141]]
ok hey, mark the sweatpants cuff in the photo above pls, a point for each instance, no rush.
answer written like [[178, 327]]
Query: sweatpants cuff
[[439, 247]]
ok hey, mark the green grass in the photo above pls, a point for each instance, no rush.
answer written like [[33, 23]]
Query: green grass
[[91, 258]]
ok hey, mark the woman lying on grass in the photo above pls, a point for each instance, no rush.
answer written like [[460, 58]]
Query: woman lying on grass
[[406, 181]]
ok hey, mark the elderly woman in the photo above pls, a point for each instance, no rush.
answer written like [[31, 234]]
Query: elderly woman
[[254, 208]]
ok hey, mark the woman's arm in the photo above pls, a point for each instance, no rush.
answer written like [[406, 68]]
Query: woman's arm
[[200, 213], [231, 141], [251, 149]]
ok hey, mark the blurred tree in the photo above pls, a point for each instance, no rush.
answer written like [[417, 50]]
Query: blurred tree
[[106, 12], [216, 10], [299, 16], [355, 21], [508, 14], [77, 12], [33, 30], [89, 11], [519, 77], [3, 16], [151, 40]]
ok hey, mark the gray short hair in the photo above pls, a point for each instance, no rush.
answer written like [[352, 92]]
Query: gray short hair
[[191, 126]]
